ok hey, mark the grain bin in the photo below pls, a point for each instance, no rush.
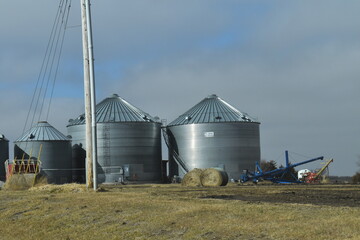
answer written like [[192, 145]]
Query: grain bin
[[213, 134], [55, 155], [4, 155], [128, 142]]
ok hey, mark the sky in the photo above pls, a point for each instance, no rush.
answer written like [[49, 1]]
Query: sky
[[293, 65]]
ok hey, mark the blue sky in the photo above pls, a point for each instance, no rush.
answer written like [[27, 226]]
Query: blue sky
[[292, 64]]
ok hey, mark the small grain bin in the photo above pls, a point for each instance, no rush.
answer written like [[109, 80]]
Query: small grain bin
[[55, 154], [128, 142], [4, 155], [213, 134]]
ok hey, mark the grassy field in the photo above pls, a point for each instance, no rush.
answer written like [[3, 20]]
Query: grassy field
[[175, 212]]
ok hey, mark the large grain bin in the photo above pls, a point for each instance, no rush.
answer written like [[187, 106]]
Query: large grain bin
[[128, 142], [213, 134], [4, 155], [55, 154]]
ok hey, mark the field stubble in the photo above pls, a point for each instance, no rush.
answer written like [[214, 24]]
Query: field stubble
[[176, 212]]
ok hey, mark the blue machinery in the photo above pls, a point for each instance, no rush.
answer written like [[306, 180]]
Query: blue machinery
[[277, 175]]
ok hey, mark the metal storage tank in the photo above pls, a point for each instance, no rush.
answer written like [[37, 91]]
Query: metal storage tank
[[129, 142], [4, 155], [213, 134], [55, 153]]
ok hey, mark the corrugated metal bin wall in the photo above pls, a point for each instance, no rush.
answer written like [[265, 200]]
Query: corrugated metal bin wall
[[127, 138], [55, 155], [214, 134], [4, 155]]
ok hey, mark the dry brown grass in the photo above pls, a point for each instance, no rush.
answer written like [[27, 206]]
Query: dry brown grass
[[169, 212], [65, 188]]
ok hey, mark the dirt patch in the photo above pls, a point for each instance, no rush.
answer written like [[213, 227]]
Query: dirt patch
[[346, 198]]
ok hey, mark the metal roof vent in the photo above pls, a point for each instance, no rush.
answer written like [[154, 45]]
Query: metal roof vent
[[188, 118], [3, 138], [210, 110], [212, 96]]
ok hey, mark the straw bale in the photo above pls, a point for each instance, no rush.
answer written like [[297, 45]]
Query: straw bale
[[192, 178], [22, 181], [212, 177]]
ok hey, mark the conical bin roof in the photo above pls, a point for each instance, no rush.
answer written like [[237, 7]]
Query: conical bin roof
[[42, 131], [212, 109], [115, 109], [3, 138]]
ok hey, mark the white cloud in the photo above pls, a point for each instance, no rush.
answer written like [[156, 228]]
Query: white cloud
[[292, 64]]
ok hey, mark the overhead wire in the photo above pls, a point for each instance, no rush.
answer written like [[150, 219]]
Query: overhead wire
[[58, 61], [51, 58], [41, 68], [46, 69], [301, 155]]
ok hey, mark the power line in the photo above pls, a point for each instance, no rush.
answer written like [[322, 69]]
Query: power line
[[61, 32], [51, 56], [50, 64], [58, 61], [41, 68]]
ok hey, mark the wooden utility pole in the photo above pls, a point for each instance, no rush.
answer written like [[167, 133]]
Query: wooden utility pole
[[89, 89]]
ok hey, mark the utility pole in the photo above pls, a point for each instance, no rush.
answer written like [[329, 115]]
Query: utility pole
[[89, 89]]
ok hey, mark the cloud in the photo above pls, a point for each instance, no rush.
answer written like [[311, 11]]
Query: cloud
[[291, 64]]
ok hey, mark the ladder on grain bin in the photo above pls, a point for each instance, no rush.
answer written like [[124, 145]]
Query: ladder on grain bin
[[176, 156], [277, 175]]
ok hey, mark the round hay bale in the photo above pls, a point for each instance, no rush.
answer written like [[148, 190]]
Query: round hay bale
[[213, 177], [192, 178]]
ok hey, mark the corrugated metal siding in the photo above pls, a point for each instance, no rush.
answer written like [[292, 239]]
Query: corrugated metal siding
[[55, 158], [55, 151], [115, 109], [212, 109], [119, 144], [4, 155], [236, 146], [43, 131]]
